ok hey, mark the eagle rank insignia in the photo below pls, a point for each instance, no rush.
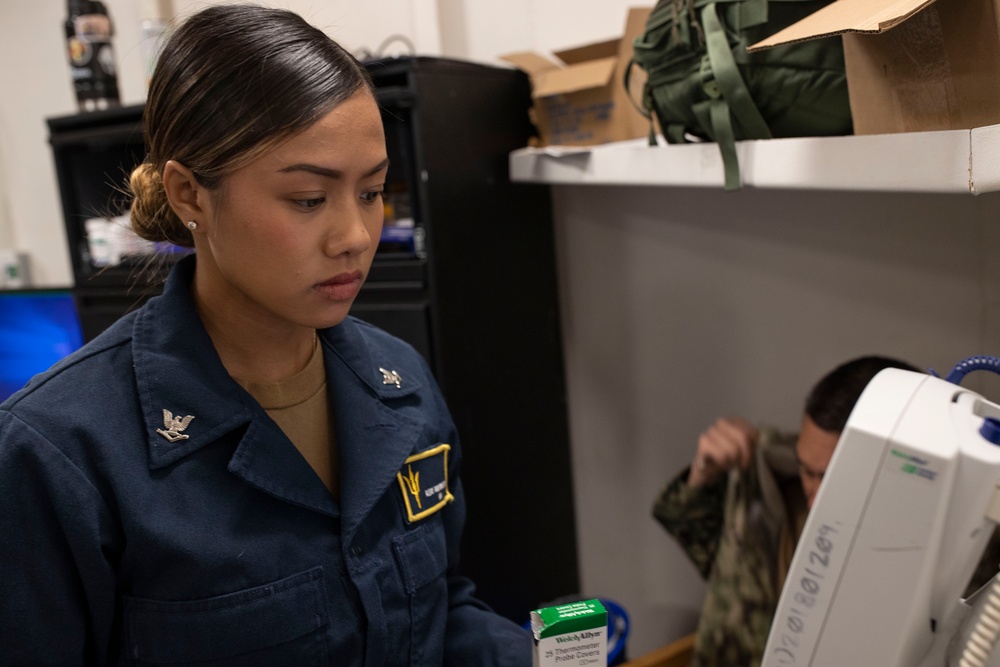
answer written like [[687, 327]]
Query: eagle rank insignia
[[173, 427]]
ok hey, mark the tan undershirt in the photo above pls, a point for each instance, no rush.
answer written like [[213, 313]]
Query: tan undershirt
[[299, 406]]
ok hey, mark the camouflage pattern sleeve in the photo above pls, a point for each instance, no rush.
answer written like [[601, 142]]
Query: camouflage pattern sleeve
[[732, 531], [694, 517]]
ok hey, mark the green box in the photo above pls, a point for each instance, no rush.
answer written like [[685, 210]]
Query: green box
[[573, 634]]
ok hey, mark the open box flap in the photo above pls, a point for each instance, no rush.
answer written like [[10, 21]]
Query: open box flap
[[530, 62], [581, 54], [861, 16], [592, 74]]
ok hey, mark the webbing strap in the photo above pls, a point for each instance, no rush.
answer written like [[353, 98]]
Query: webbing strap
[[727, 74], [732, 99], [646, 102], [722, 127], [674, 133], [628, 90]]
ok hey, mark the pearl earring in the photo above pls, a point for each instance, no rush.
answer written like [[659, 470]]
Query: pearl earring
[[192, 225]]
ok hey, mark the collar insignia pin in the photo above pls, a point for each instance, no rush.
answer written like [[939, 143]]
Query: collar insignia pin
[[173, 426], [391, 377]]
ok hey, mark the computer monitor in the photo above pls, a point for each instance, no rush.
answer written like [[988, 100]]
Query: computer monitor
[[896, 531], [38, 327]]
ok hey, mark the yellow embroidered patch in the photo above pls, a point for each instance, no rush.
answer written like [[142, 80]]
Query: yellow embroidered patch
[[424, 482]]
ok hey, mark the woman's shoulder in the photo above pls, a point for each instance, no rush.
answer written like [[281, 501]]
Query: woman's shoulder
[[379, 338], [384, 349], [80, 380], [392, 368]]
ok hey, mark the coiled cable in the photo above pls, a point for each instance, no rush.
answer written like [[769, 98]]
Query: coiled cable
[[966, 366], [984, 635]]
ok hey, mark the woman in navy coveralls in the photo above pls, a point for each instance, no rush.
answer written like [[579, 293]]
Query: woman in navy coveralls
[[151, 510]]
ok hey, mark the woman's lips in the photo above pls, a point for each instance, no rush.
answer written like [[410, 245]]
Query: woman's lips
[[342, 287]]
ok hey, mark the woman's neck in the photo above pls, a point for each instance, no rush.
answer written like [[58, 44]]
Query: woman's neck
[[263, 359], [252, 349]]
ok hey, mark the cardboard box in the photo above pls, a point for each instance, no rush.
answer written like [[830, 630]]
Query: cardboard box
[[913, 65], [574, 634], [580, 100]]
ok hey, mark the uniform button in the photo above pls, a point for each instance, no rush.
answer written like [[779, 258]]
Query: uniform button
[[356, 550]]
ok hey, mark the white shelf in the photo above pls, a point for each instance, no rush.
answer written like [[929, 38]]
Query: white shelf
[[952, 161]]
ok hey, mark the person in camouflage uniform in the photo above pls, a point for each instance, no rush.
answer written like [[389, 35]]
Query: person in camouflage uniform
[[733, 529], [739, 508]]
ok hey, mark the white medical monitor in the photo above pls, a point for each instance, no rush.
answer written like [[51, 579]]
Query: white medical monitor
[[896, 530]]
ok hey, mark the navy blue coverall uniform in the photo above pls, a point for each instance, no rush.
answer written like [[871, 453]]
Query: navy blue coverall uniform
[[130, 534]]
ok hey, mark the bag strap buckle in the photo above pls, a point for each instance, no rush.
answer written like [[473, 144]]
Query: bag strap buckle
[[708, 82]]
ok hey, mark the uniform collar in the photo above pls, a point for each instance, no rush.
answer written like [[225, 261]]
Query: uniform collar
[[777, 467], [373, 437], [178, 370]]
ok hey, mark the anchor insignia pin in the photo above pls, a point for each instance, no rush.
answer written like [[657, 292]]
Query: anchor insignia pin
[[173, 426], [391, 377]]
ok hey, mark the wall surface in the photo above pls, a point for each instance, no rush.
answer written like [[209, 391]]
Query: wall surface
[[6, 228], [684, 305]]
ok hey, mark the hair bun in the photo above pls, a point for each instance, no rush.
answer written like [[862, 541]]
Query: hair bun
[[152, 217]]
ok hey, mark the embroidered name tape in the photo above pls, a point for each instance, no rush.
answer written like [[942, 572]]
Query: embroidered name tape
[[423, 481]]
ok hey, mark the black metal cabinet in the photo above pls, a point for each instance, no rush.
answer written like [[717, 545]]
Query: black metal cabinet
[[474, 290], [494, 317], [94, 153]]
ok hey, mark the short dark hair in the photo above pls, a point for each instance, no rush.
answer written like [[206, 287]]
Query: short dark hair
[[830, 402]]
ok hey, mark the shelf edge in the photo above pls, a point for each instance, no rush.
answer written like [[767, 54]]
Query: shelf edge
[[946, 161]]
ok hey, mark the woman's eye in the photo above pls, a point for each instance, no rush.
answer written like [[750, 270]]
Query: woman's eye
[[309, 204], [371, 197]]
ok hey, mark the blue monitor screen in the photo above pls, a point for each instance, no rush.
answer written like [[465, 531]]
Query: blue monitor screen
[[37, 329]]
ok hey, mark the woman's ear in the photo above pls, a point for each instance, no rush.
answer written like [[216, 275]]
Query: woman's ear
[[187, 197]]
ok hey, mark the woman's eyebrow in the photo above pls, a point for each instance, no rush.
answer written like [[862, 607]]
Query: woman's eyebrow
[[331, 173]]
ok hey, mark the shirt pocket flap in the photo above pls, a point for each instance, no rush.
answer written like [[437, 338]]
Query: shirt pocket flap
[[226, 625], [422, 555]]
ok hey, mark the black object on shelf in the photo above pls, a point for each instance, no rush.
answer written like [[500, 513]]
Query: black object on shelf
[[91, 57], [467, 276]]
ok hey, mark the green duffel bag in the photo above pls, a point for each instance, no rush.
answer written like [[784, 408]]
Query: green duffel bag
[[703, 83]]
